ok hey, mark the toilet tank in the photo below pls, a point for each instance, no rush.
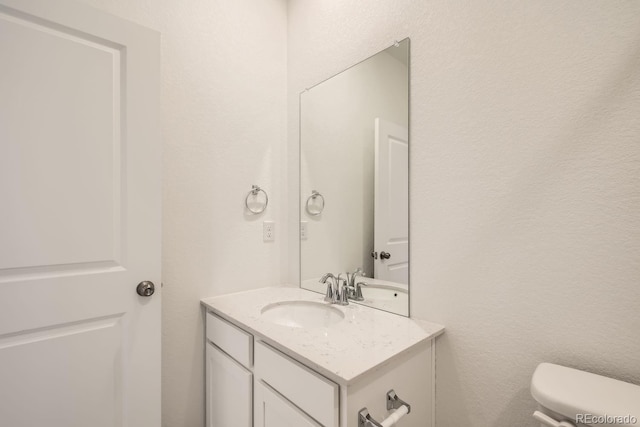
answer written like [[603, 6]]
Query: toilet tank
[[586, 398]]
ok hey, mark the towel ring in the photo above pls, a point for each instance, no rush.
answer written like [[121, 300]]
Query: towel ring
[[255, 189], [314, 195]]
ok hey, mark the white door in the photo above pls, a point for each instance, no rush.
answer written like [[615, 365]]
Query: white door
[[229, 391], [391, 205], [79, 218], [273, 410]]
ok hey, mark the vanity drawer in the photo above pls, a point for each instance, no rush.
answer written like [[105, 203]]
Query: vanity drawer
[[230, 339], [311, 392]]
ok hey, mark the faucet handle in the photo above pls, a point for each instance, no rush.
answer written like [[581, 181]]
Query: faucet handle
[[358, 291]]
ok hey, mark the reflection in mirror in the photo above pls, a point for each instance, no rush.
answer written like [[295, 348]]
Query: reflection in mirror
[[354, 180]]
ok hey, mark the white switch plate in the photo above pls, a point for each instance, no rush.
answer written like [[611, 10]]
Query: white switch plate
[[303, 230], [268, 231]]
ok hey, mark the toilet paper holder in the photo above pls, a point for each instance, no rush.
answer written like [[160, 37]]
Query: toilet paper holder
[[400, 407], [547, 420]]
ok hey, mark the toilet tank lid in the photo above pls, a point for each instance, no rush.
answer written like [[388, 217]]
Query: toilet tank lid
[[570, 392]]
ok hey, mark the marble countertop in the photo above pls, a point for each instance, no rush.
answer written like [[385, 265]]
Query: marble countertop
[[364, 340]]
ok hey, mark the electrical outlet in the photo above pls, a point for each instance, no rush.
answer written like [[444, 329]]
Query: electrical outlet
[[268, 231], [303, 230]]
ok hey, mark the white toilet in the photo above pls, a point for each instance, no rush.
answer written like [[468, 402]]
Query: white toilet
[[569, 397]]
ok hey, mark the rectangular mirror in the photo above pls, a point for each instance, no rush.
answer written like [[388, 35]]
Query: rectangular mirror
[[354, 179]]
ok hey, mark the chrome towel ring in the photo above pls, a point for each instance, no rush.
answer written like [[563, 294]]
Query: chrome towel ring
[[315, 195], [255, 189]]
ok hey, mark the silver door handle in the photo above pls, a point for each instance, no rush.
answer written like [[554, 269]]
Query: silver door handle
[[146, 288], [385, 255]]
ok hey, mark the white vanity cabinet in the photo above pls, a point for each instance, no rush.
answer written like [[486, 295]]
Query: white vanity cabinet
[[312, 393], [273, 410], [283, 391], [229, 379], [229, 390], [251, 383]]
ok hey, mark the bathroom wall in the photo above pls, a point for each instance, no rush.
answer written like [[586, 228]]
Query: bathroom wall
[[525, 195], [224, 126]]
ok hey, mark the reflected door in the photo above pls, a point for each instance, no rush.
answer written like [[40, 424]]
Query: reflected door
[[79, 218], [391, 205]]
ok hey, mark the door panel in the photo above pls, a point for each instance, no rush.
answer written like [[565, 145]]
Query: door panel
[[58, 100], [60, 120], [80, 218], [53, 379], [391, 217]]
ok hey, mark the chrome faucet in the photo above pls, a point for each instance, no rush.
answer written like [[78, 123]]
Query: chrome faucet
[[335, 293], [343, 291], [332, 288], [352, 289], [352, 278]]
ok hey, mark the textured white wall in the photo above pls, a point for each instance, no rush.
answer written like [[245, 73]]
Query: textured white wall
[[525, 192], [224, 127]]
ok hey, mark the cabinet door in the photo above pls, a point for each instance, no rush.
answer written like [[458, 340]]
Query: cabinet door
[[272, 410], [229, 390]]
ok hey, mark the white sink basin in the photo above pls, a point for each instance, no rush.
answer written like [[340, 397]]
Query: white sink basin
[[301, 314]]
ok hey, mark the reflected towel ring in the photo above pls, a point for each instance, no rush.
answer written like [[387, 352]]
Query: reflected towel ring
[[314, 195], [254, 192]]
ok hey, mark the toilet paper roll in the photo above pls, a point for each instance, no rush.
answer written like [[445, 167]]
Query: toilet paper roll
[[392, 419]]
